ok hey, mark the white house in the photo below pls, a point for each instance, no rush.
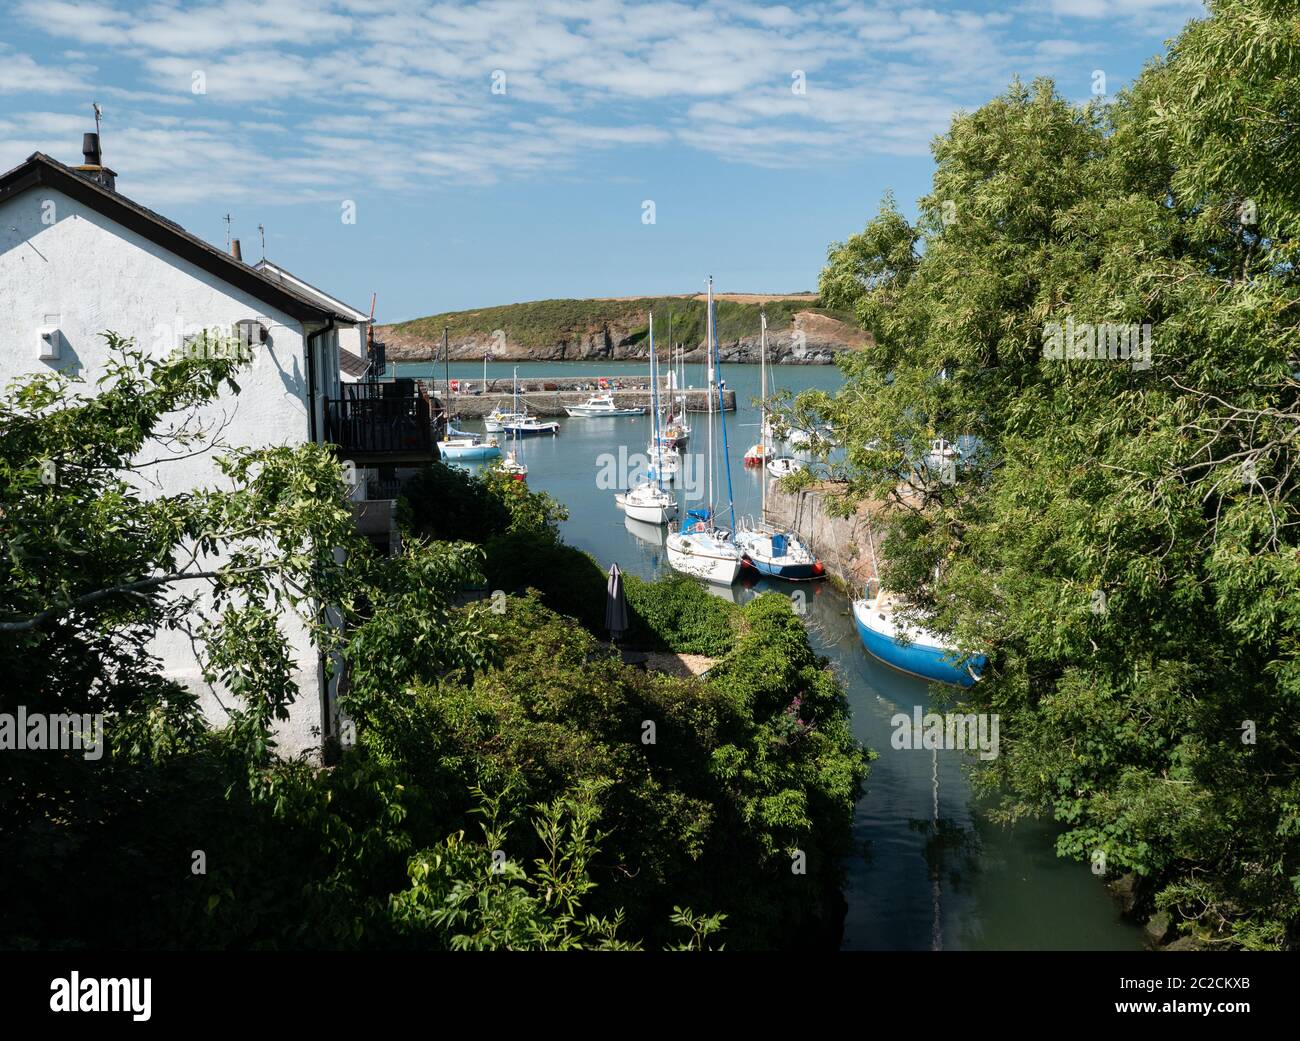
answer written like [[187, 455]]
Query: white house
[[78, 258], [353, 338]]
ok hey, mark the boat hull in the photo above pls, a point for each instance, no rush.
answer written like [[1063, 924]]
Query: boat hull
[[717, 568], [538, 431], [937, 664], [651, 514], [461, 452], [578, 412], [789, 572], [647, 513]]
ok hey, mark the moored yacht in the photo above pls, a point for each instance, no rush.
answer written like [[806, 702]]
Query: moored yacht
[[704, 550], [651, 502], [781, 554], [910, 648], [702, 547]]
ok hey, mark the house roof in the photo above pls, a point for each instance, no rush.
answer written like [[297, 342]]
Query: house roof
[[352, 364], [303, 287], [39, 170]]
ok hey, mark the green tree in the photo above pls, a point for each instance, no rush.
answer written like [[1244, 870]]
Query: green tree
[[1122, 539]]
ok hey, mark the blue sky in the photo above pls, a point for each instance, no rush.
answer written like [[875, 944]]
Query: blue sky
[[503, 150]]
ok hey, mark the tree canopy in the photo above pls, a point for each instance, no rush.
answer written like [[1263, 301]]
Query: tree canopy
[[1122, 538]]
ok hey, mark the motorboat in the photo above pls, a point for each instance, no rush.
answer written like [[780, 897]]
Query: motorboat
[[469, 446], [601, 405]]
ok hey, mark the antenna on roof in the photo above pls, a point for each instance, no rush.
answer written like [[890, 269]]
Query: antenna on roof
[[227, 218], [98, 112], [262, 231]]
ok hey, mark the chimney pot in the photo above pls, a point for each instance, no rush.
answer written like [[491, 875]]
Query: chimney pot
[[235, 250], [90, 149]]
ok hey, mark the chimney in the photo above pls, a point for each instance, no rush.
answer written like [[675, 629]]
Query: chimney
[[93, 168], [235, 251]]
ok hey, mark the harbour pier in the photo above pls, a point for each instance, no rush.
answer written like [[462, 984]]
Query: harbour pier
[[547, 395]]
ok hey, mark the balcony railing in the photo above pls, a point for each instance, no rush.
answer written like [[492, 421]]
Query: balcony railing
[[378, 423]]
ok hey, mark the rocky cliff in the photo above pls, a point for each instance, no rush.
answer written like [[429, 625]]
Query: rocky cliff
[[595, 330]]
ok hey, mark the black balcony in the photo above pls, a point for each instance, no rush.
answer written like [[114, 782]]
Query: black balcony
[[385, 423]]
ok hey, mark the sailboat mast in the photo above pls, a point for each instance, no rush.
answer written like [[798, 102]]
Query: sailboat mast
[[726, 450], [708, 352], [762, 412], [708, 345], [446, 374], [657, 455]]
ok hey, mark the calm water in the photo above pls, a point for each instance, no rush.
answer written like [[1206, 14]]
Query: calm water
[[929, 871]]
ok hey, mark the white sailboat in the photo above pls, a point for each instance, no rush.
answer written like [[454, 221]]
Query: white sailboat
[[649, 501], [768, 548], [702, 548], [519, 423], [494, 422], [677, 431]]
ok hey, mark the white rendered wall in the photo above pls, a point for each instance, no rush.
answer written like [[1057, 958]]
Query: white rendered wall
[[86, 274]]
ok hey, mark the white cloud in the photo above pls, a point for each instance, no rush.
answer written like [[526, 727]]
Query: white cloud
[[303, 97]]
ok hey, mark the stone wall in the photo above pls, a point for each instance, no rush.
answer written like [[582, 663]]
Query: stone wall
[[842, 544]]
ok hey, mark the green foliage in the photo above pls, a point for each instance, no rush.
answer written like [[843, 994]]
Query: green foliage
[[444, 502], [677, 614], [1170, 490], [207, 839], [707, 814]]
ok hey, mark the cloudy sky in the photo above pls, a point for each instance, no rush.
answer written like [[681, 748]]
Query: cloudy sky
[[507, 149]]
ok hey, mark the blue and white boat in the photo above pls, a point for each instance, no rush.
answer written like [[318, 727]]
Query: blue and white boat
[[910, 648], [771, 551], [461, 447], [517, 422], [525, 425]]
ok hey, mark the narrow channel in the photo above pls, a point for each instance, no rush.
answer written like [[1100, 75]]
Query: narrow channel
[[930, 871]]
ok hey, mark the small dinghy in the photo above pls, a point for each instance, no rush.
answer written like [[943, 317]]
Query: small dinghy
[[512, 466]]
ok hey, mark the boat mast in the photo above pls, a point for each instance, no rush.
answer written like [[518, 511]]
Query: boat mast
[[762, 412], [672, 368], [708, 367], [657, 455], [446, 375], [708, 346], [722, 418]]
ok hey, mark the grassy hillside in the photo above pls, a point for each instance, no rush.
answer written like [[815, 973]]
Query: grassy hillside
[[545, 322]]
